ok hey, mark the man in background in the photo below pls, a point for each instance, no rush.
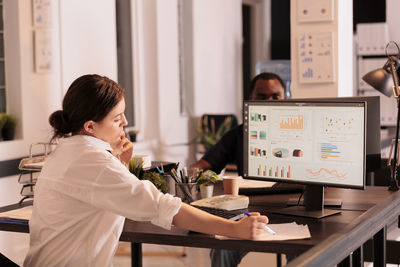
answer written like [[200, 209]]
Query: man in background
[[264, 86]]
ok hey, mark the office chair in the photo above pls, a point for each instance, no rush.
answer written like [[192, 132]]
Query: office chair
[[215, 121], [212, 127]]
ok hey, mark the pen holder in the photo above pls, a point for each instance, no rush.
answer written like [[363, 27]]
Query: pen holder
[[186, 191], [171, 184]]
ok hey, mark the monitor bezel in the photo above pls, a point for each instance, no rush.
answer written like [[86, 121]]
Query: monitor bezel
[[302, 102]]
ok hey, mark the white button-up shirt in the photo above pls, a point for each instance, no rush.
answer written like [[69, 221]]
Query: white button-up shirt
[[82, 197]]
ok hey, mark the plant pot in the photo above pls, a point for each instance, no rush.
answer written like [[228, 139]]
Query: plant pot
[[8, 134], [132, 137], [206, 190]]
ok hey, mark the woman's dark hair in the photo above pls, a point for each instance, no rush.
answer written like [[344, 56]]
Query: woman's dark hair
[[90, 97], [265, 76]]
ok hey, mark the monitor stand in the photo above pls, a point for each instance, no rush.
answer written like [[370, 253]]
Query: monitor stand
[[313, 205], [328, 202]]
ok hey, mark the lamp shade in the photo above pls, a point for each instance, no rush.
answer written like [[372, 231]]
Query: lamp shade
[[380, 80]]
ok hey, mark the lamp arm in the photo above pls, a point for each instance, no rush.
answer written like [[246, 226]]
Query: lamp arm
[[394, 183], [396, 89]]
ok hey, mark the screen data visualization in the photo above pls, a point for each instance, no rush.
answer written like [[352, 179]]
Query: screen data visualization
[[306, 142]]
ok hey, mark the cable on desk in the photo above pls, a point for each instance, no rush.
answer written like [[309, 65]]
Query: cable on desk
[[301, 195]]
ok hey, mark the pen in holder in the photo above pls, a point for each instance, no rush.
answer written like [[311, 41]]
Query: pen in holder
[[186, 191]]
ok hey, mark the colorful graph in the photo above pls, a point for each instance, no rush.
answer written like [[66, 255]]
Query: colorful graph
[[253, 134], [322, 171], [291, 122], [258, 152], [337, 125], [258, 117], [308, 73], [329, 150], [274, 171], [280, 152]]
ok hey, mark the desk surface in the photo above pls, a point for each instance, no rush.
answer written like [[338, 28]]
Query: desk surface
[[355, 203]]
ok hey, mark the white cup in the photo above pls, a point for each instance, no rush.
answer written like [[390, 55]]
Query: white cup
[[146, 159], [231, 185]]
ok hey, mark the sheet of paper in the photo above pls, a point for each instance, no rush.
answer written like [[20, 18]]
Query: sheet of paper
[[284, 231], [36, 165], [24, 213]]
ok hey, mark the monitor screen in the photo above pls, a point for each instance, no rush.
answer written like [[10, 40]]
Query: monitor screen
[[306, 142], [373, 127]]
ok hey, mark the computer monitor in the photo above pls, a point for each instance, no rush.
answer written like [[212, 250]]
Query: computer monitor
[[373, 142], [314, 143]]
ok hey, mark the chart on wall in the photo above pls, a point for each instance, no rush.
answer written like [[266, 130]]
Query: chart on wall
[[315, 10], [315, 57]]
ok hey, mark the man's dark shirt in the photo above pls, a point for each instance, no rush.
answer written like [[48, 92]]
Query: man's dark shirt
[[228, 149]]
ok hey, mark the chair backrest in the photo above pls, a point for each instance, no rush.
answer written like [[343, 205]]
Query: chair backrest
[[215, 121], [213, 127]]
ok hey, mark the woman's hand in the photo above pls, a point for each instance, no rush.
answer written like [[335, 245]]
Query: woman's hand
[[251, 227], [123, 149]]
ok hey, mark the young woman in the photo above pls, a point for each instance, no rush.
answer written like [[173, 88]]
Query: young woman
[[84, 192]]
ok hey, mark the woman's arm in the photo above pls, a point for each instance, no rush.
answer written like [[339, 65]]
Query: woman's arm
[[197, 220]]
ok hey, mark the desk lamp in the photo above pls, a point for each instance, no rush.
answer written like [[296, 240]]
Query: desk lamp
[[380, 79]]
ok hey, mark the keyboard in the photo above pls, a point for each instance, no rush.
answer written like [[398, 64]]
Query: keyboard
[[232, 215], [278, 188]]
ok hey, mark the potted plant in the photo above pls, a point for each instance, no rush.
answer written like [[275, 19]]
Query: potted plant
[[206, 181], [132, 135], [2, 122], [157, 179], [8, 129], [206, 133]]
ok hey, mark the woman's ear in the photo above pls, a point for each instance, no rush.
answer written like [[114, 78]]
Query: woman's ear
[[89, 127]]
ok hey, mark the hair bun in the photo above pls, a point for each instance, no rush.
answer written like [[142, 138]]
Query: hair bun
[[59, 121]]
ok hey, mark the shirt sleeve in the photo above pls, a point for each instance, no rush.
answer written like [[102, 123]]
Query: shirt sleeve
[[119, 191], [224, 151]]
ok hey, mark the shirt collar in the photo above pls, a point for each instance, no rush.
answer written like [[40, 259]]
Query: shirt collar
[[89, 139]]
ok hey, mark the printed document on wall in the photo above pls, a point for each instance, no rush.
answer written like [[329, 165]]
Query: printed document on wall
[[316, 57]]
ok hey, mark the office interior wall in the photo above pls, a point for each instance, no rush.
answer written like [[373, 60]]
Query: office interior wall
[[156, 81], [214, 60], [78, 45], [74, 41], [88, 39], [87, 43], [393, 19], [173, 126], [217, 40], [260, 31], [341, 27], [33, 96]]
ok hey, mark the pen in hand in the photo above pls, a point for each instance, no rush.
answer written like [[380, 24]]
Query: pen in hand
[[266, 227]]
